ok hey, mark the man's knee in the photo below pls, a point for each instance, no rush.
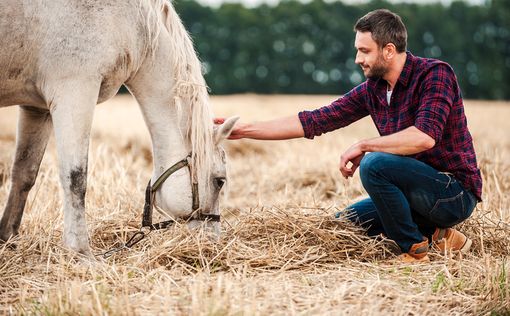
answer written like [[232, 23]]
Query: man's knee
[[372, 163]]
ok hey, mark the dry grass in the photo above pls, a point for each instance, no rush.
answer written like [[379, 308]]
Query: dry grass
[[281, 251]]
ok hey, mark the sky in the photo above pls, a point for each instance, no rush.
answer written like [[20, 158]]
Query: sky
[[252, 3]]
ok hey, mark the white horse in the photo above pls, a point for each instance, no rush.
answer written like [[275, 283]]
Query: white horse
[[60, 58]]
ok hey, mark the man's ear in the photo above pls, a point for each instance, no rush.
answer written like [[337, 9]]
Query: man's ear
[[390, 50], [223, 131]]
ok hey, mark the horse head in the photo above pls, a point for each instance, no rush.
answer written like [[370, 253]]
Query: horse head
[[190, 189]]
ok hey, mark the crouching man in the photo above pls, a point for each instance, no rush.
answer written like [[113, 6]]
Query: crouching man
[[421, 174]]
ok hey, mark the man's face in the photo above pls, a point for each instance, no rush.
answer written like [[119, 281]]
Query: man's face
[[369, 56]]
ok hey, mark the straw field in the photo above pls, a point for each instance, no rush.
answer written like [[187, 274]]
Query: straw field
[[281, 251]]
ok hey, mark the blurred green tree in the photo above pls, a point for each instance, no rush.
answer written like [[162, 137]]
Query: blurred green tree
[[296, 47]]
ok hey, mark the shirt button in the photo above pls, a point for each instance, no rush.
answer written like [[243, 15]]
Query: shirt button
[[392, 120]]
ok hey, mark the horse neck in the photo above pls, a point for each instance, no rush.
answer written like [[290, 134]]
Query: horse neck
[[170, 142], [174, 139]]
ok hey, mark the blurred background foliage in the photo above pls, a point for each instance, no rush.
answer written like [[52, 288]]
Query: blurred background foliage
[[296, 47]]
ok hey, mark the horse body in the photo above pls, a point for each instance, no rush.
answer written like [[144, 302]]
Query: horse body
[[60, 58]]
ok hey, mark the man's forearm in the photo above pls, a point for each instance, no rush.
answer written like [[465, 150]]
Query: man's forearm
[[406, 142], [277, 129]]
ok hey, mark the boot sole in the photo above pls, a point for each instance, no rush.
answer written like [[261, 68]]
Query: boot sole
[[467, 245]]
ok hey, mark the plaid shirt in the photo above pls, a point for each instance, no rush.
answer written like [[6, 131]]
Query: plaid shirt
[[426, 96]]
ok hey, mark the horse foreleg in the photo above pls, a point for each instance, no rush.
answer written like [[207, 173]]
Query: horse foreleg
[[72, 119], [34, 128]]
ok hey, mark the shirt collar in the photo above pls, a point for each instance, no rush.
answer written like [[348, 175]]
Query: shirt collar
[[407, 70]]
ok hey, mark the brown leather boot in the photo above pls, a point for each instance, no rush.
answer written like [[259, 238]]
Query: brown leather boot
[[450, 240], [417, 253]]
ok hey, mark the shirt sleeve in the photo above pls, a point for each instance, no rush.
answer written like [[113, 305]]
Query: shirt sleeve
[[436, 101], [342, 112]]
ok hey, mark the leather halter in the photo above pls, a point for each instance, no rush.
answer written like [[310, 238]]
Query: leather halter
[[150, 193]]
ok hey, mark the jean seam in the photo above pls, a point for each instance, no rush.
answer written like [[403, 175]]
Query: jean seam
[[450, 199]]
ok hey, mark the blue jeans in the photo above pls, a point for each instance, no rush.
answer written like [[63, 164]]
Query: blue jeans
[[408, 199]]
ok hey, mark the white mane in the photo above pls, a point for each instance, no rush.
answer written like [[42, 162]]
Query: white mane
[[190, 89]]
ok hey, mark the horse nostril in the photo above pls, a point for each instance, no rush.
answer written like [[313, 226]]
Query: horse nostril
[[220, 181]]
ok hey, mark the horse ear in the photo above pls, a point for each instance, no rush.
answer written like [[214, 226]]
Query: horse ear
[[222, 131]]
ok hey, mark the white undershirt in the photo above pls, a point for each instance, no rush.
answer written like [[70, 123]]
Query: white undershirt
[[388, 96]]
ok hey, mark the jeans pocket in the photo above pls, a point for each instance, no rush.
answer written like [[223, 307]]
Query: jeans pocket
[[449, 211]]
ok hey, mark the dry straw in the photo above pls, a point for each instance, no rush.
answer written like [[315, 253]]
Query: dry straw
[[281, 250], [262, 239]]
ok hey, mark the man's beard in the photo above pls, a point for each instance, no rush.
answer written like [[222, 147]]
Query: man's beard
[[378, 70]]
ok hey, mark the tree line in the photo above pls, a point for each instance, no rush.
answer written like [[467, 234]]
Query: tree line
[[296, 47]]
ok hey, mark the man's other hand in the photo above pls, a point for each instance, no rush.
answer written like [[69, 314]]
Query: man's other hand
[[353, 155]]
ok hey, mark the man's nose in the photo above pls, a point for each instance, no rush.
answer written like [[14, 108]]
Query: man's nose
[[358, 59]]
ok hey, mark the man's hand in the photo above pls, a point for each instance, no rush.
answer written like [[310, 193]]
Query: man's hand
[[237, 132], [353, 155]]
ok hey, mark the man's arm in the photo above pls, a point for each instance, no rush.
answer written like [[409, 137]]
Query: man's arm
[[406, 142], [277, 129], [340, 113]]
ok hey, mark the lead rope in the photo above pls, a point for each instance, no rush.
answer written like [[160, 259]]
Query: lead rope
[[140, 234], [136, 238]]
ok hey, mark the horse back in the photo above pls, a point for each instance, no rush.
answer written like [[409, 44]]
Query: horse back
[[45, 43]]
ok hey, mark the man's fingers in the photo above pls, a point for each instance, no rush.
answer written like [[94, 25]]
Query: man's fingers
[[219, 120], [353, 168], [235, 136], [343, 166], [346, 172]]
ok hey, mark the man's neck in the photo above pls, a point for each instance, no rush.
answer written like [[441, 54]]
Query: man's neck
[[395, 70]]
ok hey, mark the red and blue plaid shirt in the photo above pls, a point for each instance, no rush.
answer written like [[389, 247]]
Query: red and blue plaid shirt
[[426, 96]]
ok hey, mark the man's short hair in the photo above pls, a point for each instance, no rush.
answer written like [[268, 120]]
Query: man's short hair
[[386, 27]]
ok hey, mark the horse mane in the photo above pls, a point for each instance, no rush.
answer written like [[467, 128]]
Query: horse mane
[[189, 87]]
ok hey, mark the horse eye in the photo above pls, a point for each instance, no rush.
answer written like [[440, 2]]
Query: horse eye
[[219, 182]]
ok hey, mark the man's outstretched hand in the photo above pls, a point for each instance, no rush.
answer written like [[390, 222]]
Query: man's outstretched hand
[[237, 132]]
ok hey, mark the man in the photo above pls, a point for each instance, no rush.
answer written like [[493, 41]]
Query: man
[[421, 174]]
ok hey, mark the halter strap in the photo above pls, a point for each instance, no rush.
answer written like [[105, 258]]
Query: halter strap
[[178, 165], [150, 193]]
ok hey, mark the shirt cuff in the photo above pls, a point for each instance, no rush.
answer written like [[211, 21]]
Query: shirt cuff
[[429, 128], [307, 122]]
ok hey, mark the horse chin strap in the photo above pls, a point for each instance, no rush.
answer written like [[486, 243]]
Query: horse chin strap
[[150, 194]]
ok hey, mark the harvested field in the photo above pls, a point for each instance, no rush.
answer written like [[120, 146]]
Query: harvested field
[[281, 251]]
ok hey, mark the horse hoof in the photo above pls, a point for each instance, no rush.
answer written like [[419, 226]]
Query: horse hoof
[[83, 252]]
